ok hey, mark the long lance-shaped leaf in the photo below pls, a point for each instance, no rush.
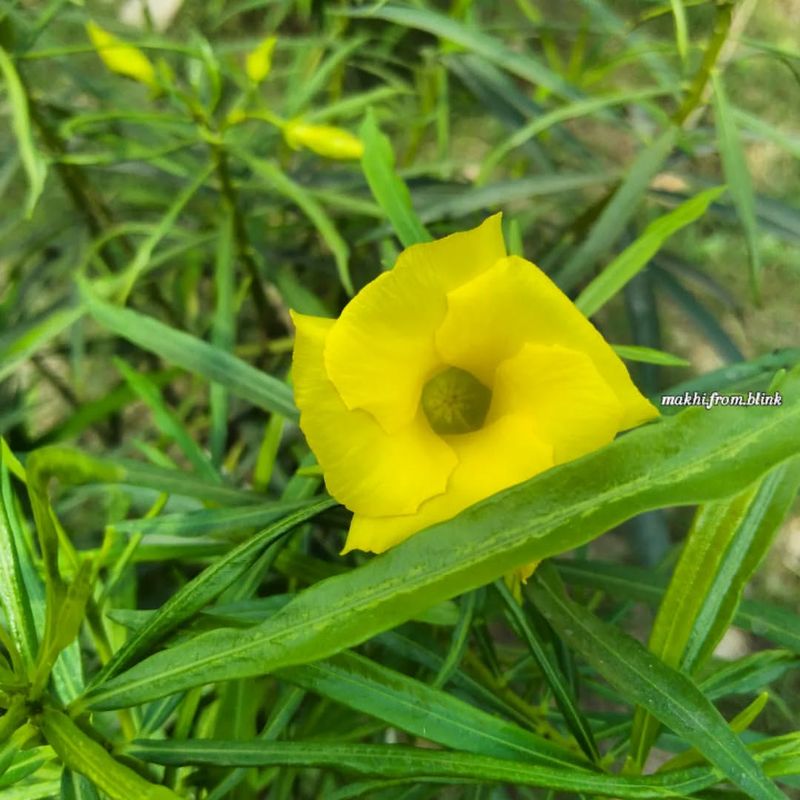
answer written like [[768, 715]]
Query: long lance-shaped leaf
[[394, 761], [32, 161], [727, 542], [75, 786], [279, 181], [559, 686], [666, 693], [415, 707], [14, 600], [693, 457], [81, 753], [522, 65], [636, 256], [387, 187], [74, 468], [619, 210], [737, 175], [194, 355], [205, 587], [779, 625]]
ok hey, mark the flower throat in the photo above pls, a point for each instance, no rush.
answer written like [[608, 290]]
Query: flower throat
[[455, 401]]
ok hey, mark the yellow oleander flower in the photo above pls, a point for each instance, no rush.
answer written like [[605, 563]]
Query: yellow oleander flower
[[457, 374], [121, 57]]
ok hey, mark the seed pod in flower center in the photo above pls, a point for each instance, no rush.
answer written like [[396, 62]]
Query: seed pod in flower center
[[455, 401]]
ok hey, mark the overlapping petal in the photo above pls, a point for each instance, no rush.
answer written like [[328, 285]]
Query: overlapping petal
[[574, 407], [381, 350], [491, 318], [502, 454], [559, 390], [366, 469]]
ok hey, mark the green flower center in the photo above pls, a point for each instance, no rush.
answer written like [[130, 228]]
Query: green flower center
[[455, 401]]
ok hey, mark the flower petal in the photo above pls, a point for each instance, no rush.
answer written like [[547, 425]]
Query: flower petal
[[490, 318], [381, 349], [499, 455], [367, 470], [574, 408]]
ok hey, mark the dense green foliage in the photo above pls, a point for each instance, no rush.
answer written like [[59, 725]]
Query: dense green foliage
[[175, 617]]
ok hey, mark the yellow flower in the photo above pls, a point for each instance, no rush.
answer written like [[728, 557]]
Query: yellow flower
[[457, 374], [325, 140]]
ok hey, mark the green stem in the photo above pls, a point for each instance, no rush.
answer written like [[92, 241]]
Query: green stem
[[697, 91], [244, 248]]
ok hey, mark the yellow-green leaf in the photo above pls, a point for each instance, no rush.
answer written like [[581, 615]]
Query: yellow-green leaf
[[81, 753], [32, 161], [635, 257]]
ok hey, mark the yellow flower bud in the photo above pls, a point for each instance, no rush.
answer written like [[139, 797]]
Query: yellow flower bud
[[236, 116], [325, 140], [258, 63], [121, 57]]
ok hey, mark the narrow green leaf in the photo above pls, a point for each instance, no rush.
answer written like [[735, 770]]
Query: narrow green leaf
[[681, 30], [83, 754], [386, 186], [458, 641], [648, 355], [64, 620], [748, 544], [203, 589], [741, 722], [280, 716], [268, 452], [618, 212], [749, 674], [562, 691], [75, 787], [462, 203], [67, 674], [167, 421], [570, 111], [27, 762], [778, 625], [458, 203], [193, 355], [373, 689], [699, 315], [667, 694], [32, 161], [223, 333], [306, 202], [171, 481], [225, 522], [395, 761], [726, 543], [16, 346], [734, 164], [636, 256], [14, 599], [752, 374], [693, 457], [37, 790], [472, 39], [127, 279]]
